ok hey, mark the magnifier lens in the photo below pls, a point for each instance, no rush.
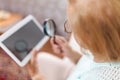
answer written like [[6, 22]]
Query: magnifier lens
[[49, 28]]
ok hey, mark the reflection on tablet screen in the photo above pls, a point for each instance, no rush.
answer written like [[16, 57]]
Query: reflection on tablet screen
[[24, 40]]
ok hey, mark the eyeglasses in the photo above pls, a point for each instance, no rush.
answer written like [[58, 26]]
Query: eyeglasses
[[67, 28]]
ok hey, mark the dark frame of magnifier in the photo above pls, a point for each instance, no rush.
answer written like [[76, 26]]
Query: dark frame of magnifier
[[54, 25]]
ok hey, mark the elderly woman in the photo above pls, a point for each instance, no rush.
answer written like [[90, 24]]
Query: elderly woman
[[96, 27]]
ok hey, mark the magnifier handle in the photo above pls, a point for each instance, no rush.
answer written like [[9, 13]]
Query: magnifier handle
[[54, 40], [61, 51]]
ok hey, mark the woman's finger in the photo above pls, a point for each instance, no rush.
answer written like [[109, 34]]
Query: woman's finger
[[52, 41], [57, 50], [34, 54], [32, 66], [60, 38]]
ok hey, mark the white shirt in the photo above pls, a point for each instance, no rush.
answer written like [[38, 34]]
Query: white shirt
[[87, 69]]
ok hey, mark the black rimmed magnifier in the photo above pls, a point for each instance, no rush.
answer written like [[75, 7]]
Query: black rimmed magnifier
[[50, 28]]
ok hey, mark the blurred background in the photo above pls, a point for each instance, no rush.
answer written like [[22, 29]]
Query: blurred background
[[40, 9]]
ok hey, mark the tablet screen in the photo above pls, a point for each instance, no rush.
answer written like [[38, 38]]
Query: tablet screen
[[24, 40]]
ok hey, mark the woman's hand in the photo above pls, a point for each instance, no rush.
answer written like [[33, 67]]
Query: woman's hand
[[61, 45], [33, 68]]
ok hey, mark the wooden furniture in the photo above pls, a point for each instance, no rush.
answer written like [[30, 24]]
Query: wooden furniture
[[7, 20]]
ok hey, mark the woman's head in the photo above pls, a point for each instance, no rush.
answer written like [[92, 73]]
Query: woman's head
[[96, 25]]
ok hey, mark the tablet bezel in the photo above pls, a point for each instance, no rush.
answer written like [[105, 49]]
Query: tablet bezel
[[16, 28]]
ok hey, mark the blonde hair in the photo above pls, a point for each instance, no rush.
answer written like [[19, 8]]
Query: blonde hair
[[96, 24]]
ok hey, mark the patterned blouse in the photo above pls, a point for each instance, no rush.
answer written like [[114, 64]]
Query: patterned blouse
[[87, 69]]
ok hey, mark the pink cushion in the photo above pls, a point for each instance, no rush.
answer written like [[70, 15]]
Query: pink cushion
[[9, 70]]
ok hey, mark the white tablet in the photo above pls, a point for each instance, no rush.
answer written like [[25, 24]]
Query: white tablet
[[22, 38]]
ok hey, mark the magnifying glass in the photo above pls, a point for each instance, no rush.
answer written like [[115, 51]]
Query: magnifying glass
[[50, 28]]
